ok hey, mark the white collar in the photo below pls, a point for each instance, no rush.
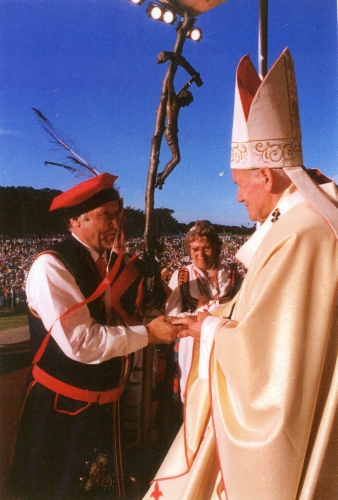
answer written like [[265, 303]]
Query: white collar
[[291, 197], [204, 275]]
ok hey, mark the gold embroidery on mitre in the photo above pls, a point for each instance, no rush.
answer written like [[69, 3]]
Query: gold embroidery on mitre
[[239, 153], [279, 151], [268, 153]]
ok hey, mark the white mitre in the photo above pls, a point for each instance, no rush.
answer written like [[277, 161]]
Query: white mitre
[[266, 131]]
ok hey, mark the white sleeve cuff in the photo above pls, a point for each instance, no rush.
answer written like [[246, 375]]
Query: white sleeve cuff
[[207, 338], [139, 339], [184, 360]]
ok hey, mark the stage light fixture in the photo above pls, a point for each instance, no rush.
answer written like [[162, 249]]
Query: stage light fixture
[[137, 2], [161, 14], [168, 17], [195, 34], [155, 12]]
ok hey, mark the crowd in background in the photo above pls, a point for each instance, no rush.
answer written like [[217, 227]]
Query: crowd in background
[[16, 258], [18, 254], [172, 252]]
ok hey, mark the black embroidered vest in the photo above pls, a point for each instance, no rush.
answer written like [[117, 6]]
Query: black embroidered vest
[[96, 377]]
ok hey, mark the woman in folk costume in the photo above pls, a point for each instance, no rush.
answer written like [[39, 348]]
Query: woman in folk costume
[[261, 405], [204, 283]]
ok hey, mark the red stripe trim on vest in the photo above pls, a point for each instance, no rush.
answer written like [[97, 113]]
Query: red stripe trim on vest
[[76, 393]]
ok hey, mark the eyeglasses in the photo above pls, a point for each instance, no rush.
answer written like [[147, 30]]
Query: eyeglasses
[[205, 249]]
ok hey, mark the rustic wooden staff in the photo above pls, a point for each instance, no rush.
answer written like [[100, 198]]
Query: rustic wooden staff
[[151, 228], [175, 59]]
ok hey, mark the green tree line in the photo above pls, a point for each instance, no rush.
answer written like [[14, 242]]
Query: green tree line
[[25, 210]]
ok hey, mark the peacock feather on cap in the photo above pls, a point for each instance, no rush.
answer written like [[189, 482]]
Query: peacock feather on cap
[[79, 166]]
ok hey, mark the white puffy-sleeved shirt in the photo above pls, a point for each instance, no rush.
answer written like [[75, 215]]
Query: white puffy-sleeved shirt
[[51, 290], [199, 284]]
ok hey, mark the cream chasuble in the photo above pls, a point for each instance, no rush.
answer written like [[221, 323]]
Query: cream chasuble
[[249, 431]]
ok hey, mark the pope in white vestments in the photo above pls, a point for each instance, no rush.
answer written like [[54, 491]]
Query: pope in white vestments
[[261, 420]]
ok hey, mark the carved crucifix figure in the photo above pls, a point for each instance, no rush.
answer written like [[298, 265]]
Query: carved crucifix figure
[[173, 103]]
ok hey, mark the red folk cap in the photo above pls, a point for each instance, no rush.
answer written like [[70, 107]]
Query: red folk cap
[[88, 194]]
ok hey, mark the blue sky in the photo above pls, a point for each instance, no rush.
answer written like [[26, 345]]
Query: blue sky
[[91, 67]]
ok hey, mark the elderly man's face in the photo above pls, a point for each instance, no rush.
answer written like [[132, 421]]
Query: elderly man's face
[[252, 192], [202, 253], [98, 228]]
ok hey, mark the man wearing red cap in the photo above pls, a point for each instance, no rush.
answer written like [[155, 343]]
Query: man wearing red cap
[[68, 444]]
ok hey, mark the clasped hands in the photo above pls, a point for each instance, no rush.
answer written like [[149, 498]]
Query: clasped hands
[[166, 329]]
